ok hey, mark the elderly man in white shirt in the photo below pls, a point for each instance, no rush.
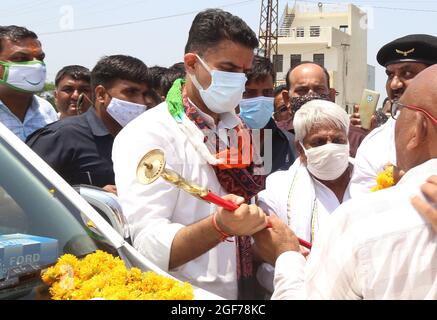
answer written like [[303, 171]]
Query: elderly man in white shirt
[[403, 59], [180, 233], [376, 246], [305, 195]]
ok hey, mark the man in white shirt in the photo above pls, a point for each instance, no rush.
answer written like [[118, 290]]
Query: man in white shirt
[[403, 59], [22, 74], [179, 232], [375, 246], [304, 196]]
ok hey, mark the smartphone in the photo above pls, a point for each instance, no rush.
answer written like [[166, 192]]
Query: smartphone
[[368, 104]]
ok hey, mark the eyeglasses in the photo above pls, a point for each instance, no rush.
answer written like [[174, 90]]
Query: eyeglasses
[[397, 106], [80, 101]]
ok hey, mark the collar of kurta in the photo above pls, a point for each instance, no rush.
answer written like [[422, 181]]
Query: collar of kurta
[[176, 107], [180, 105], [419, 173], [96, 124], [236, 177]]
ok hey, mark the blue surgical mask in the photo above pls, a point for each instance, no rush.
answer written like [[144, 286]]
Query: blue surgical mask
[[256, 112], [225, 91]]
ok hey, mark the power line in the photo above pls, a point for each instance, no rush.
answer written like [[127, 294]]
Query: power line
[[406, 9], [377, 7], [140, 21], [84, 9]]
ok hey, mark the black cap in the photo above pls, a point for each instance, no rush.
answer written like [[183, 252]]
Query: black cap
[[414, 47]]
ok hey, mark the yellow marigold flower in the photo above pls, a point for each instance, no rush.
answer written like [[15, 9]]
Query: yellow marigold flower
[[384, 179], [68, 259], [100, 275]]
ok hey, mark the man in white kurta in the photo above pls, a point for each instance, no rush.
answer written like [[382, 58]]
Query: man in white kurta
[[300, 201], [375, 246], [180, 233], [156, 212], [296, 196]]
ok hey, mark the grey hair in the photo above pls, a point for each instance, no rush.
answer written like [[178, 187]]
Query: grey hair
[[319, 112]]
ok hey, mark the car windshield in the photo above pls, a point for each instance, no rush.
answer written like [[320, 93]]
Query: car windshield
[[37, 224]]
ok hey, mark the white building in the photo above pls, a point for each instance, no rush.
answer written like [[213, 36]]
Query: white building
[[334, 36]]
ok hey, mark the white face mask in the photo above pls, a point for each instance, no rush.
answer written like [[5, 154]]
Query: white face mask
[[124, 111], [26, 76], [225, 92], [327, 162]]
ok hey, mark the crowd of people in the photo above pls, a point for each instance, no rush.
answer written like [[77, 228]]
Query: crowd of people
[[296, 164]]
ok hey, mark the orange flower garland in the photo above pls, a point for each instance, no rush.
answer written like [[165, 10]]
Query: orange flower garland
[[100, 275], [384, 179]]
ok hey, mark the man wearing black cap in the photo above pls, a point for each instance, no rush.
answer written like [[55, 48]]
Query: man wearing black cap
[[403, 59]]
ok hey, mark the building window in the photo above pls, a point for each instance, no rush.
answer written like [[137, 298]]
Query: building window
[[315, 31], [343, 28], [278, 61], [300, 32], [319, 58], [295, 59]]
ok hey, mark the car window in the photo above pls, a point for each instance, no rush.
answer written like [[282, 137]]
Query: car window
[[35, 218]]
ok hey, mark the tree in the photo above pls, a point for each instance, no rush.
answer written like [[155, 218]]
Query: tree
[[48, 93]]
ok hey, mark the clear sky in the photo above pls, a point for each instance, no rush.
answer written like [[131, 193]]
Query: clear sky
[[160, 37]]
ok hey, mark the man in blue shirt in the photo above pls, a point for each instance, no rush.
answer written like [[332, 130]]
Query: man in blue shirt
[[22, 74]]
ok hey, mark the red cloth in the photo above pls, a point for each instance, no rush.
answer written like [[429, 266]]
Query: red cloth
[[235, 178]]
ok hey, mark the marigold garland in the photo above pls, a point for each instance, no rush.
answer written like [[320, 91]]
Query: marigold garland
[[384, 179], [100, 275]]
